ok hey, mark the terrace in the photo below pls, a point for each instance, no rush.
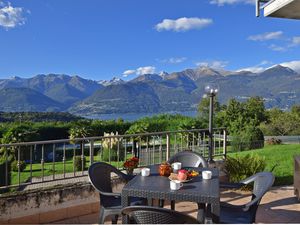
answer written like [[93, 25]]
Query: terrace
[[53, 189]]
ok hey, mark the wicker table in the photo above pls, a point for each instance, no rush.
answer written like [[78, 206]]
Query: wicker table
[[157, 187]]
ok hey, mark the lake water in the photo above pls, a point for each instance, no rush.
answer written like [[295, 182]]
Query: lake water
[[135, 116]]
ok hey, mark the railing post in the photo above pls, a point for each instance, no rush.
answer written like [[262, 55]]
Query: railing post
[[224, 143], [91, 152], [168, 147]]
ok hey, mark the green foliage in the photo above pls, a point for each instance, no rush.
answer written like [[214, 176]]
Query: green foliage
[[77, 160], [112, 154], [282, 123], [14, 166], [279, 160], [203, 109], [237, 115], [241, 167], [249, 137]]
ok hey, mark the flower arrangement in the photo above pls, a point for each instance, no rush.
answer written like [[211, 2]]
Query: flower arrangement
[[130, 164]]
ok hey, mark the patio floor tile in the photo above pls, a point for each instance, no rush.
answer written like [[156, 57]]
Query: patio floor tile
[[279, 205]]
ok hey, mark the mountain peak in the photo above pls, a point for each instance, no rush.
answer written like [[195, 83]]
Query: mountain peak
[[278, 70], [148, 77], [113, 81]]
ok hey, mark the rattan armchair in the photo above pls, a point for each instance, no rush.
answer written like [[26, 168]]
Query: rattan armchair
[[246, 213], [100, 174], [153, 215], [187, 159]]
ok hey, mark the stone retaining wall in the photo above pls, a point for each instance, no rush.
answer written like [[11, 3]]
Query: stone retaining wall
[[50, 204]]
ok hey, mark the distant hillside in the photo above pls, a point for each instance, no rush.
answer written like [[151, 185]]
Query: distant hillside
[[37, 117], [148, 93], [123, 98], [182, 91], [61, 88], [25, 99]]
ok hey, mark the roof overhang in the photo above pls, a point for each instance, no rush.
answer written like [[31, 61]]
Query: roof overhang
[[282, 9]]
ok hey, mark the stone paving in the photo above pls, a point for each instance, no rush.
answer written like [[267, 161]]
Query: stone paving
[[279, 205]]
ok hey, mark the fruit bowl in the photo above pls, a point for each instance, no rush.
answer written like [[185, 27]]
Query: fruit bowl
[[173, 176]]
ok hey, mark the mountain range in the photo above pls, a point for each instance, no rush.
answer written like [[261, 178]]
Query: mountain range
[[148, 93]]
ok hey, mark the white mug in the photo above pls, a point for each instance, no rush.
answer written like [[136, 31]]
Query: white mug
[[176, 166], [206, 174], [175, 184], [145, 172]]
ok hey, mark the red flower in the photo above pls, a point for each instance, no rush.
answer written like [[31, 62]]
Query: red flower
[[131, 163]]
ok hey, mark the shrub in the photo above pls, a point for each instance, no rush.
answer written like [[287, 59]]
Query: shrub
[[78, 163], [274, 141], [112, 154], [241, 167], [14, 166], [250, 138]]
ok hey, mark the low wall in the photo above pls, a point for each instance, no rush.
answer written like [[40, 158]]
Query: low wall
[[50, 204]]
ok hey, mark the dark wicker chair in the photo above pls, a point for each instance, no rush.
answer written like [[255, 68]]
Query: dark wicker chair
[[153, 215], [187, 159], [246, 213], [110, 202]]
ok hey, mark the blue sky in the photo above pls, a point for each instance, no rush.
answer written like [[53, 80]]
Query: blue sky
[[100, 39]]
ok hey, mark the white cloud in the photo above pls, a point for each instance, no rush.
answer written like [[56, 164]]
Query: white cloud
[[10, 16], [265, 62], [183, 24], [213, 64], [128, 72], [231, 2], [253, 69], [262, 66], [140, 71], [277, 48], [174, 60], [295, 41], [266, 36], [145, 70], [294, 65]]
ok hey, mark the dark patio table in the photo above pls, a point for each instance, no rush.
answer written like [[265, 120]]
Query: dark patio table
[[158, 187]]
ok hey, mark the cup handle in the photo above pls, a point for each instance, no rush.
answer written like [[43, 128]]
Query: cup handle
[[181, 184]]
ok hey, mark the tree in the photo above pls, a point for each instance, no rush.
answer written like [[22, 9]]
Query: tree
[[16, 134], [296, 110], [255, 110], [281, 123], [80, 129], [137, 128], [203, 109]]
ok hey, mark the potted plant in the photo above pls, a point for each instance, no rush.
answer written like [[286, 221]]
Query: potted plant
[[130, 164]]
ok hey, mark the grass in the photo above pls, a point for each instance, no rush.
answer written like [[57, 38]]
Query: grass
[[279, 158], [48, 169]]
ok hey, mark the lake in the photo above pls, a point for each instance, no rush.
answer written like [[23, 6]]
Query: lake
[[135, 116]]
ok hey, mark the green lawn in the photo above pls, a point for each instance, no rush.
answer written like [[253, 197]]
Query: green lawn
[[48, 169], [280, 155]]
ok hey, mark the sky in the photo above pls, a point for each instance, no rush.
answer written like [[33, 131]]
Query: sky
[[101, 39]]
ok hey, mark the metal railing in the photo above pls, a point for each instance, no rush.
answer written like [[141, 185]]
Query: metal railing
[[53, 160]]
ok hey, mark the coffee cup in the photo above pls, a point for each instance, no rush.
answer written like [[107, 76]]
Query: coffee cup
[[176, 166], [145, 172], [175, 184], [206, 174]]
